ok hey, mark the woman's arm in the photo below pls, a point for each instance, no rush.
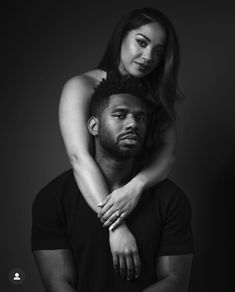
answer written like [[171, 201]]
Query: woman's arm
[[73, 116], [158, 166]]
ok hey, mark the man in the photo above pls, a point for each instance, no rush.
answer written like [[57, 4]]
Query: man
[[72, 256]]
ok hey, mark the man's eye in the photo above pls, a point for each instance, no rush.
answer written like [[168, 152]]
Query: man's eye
[[141, 119], [142, 43], [119, 116]]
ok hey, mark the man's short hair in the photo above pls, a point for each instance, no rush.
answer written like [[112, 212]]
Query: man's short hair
[[117, 84]]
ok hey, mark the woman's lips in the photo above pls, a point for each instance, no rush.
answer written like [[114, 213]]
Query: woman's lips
[[142, 67]]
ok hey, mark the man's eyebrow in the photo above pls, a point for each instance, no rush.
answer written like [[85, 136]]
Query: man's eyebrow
[[119, 108], [124, 109]]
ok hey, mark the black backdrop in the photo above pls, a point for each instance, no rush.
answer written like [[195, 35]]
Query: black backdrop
[[46, 43]]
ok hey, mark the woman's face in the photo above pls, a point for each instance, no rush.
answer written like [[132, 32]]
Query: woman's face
[[142, 49]]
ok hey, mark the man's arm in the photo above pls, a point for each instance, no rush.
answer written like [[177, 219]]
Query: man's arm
[[57, 270], [173, 273]]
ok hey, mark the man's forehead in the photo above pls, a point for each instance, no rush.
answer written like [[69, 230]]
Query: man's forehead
[[126, 100]]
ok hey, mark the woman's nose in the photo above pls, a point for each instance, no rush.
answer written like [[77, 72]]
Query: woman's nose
[[147, 55]]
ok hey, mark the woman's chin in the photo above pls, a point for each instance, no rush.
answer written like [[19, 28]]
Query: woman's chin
[[134, 72], [138, 74]]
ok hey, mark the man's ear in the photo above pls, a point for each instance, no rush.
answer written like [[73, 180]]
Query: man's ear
[[93, 125]]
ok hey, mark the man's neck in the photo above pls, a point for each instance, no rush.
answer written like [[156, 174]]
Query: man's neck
[[116, 171]]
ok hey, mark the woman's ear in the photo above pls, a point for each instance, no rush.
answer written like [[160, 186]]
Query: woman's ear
[[93, 125]]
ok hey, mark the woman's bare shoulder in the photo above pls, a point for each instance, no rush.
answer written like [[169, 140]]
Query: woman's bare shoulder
[[78, 90], [96, 74], [87, 80]]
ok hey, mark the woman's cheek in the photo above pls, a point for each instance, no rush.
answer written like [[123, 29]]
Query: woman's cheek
[[134, 50]]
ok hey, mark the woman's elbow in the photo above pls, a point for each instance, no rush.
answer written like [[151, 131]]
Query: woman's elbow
[[77, 160]]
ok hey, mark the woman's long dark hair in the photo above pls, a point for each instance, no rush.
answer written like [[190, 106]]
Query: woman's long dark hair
[[162, 82]]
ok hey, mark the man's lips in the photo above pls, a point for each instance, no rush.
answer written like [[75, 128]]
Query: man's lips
[[130, 136]]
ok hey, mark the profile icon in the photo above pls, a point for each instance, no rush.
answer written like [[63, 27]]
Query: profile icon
[[17, 277]]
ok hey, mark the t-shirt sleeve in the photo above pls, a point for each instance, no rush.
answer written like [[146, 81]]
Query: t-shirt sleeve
[[176, 237], [48, 224]]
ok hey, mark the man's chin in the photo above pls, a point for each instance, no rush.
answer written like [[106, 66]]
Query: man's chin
[[129, 152]]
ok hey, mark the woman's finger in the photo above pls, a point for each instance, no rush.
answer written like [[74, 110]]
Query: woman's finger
[[102, 203], [111, 219], [99, 215], [117, 222], [109, 213], [106, 207]]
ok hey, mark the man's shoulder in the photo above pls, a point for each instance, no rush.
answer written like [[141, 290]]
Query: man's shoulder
[[168, 191], [56, 187], [167, 186]]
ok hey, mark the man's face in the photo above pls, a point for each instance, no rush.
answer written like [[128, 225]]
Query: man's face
[[122, 126]]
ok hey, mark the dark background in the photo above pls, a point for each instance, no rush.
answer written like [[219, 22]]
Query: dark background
[[46, 43]]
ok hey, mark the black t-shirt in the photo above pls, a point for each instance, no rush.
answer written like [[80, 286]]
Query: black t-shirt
[[63, 220]]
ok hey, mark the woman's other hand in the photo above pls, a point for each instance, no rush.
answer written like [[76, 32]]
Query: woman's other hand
[[119, 204], [126, 259]]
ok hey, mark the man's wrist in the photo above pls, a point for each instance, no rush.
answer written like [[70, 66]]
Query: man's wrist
[[120, 227]]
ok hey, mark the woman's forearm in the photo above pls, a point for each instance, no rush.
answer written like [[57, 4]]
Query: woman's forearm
[[73, 115], [159, 164], [90, 180], [157, 169]]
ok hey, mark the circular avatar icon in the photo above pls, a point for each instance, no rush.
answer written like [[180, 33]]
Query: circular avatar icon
[[17, 276]]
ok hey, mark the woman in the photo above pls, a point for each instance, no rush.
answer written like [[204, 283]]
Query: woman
[[143, 45]]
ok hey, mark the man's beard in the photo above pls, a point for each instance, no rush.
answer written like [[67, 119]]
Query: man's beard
[[113, 149]]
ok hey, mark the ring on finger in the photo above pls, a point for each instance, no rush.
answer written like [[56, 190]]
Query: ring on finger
[[117, 214], [122, 215]]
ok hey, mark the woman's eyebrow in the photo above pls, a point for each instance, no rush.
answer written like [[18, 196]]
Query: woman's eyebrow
[[144, 36]]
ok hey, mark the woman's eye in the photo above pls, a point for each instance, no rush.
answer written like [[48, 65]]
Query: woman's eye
[[159, 53], [142, 43]]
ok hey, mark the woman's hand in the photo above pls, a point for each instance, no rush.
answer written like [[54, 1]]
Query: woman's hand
[[119, 204], [126, 260]]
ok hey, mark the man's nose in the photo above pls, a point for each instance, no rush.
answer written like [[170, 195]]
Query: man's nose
[[131, 123]]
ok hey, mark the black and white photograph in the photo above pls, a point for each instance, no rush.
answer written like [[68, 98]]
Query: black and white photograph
[[118, 146]]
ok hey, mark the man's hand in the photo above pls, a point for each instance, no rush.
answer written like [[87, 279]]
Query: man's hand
[[126, 260], [119, 204]]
